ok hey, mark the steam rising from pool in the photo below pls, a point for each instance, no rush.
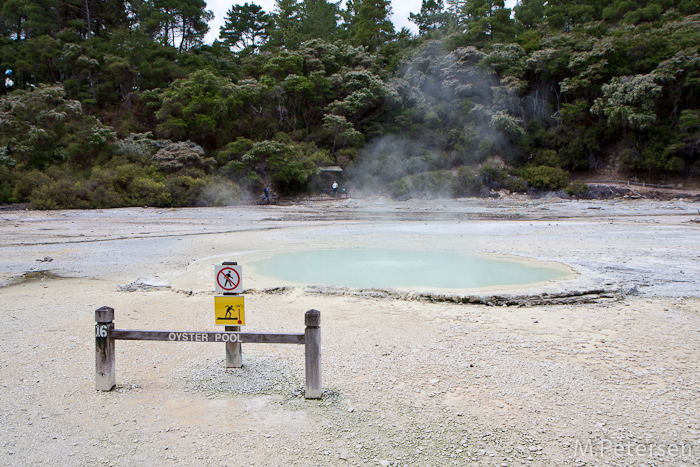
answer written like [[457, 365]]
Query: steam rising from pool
[[401, 268]]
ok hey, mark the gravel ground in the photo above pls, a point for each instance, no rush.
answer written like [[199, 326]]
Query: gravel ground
[[406, 382]]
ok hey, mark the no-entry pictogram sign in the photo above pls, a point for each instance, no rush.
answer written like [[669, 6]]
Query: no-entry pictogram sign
[[228, 279]]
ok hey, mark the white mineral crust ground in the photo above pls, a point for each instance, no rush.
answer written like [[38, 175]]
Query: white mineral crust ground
[[407, 381]]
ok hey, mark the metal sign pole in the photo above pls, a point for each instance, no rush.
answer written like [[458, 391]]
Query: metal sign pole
[[234, 352]]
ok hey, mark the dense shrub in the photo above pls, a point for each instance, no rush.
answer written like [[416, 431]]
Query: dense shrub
[[59, 194], [129, 184], [219, 192], [436, 184], [120, 175], [184, 190], [492, 176], [27, 182], [7, 185], [123, 185], [345, 157], [577, 189], [514, 184], [183, 155], [497, 178], [145, 191], [139, 148], [547, 157], [546, 178], [104, 197], [467, 183]]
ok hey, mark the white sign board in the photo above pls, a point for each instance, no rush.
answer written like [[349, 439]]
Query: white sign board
[[228, 279]]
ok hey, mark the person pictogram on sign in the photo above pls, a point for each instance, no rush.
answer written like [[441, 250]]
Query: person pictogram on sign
[[229, 279], [228, 312]]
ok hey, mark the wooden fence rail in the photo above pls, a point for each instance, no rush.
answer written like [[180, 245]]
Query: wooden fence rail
[[106, 334], [630, 183]]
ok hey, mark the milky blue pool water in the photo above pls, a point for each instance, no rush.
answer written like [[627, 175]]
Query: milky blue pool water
[[401, 268]]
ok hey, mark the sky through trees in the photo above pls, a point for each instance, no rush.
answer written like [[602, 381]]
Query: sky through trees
[[401, 10]]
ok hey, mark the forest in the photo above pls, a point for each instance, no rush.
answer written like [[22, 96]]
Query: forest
[[120, 103]]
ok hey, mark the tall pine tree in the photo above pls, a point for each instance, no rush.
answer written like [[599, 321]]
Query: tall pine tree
[[246, 27], [432, 16], [371, 26], [488, 21], [287, 31], [319, 19]]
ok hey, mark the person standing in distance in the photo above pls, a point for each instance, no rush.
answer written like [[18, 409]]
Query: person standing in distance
[[335, 188]]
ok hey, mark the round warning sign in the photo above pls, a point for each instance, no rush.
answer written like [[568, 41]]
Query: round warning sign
[[228, 279]]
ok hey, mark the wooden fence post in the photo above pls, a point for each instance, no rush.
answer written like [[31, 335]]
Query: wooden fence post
[[312, 347], [105, 378]]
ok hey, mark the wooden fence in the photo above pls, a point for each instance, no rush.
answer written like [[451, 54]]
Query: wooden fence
[[631, 183], [106, 334]]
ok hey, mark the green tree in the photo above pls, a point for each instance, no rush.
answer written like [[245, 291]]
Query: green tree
[[365, 97], [488, 20], [283, 163], [370, 25], [530, 13], [41, 127], [432, 16], [26, 19], [200, 108], [342, 131], [319, 20], [38, 60], [589, 67], [193, 23], [183, 155], [687, 144], [629, 102], [177, 23], [246, 27], [643, 11], [287, 19], [566, 15], [92, 17]]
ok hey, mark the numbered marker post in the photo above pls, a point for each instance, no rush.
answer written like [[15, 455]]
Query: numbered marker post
[[105, 378]]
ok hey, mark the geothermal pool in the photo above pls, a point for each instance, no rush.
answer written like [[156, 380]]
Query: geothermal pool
[[402, 268]]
